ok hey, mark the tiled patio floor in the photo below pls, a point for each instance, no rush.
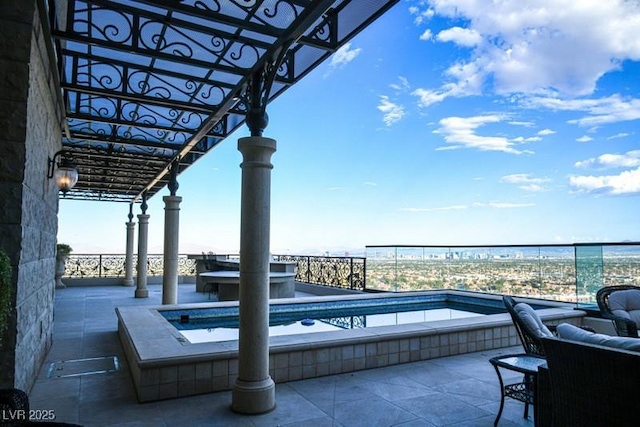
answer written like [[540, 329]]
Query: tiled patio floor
[[453, 391]]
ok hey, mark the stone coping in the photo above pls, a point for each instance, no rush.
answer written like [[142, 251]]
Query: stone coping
[[156, 343]]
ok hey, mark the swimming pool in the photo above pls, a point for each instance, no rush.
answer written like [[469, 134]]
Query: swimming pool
[[164, 364], [221, 324]]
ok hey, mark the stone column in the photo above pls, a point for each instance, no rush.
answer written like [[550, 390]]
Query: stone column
[[143, 231], [254, 390], [128, 261], [171, 231]]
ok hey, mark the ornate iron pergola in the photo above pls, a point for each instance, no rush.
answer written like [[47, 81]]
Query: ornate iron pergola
[[151, 84]]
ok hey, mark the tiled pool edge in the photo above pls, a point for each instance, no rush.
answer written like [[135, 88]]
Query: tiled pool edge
[[162, 367]]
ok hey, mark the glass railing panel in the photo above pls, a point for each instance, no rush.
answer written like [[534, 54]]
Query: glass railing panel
[[409, 267], [381, 268], [469, 269], [557, 273], [621, 265], [512, 271], [420, 268], [589, 272]]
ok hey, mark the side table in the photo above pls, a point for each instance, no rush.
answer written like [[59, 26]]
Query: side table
[[523, 391]]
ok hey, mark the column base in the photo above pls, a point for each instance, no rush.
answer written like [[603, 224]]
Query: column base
[[127, 282], [142, 293], [253, 397]]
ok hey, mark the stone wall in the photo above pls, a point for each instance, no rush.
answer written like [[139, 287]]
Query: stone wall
[[31, 133]]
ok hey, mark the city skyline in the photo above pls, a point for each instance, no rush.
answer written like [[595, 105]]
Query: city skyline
[[444, 122]]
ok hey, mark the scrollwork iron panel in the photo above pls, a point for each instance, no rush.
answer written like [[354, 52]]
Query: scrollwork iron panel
[[186, 266], [340, 272], [155, 265], [83, 266], [113, 265]]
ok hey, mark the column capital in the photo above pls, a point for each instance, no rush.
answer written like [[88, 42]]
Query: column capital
[[254, 142], [256, 151], [172, 200]]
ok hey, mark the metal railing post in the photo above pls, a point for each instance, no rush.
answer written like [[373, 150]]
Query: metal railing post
[[351, 273], [364, 274]]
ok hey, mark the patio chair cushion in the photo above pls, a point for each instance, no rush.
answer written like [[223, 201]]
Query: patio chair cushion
[[626, 304], [529, 316], [570, 332]]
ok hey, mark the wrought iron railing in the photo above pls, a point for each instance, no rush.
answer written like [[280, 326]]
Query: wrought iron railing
[[571, 273], [113, 265], [338, 272]]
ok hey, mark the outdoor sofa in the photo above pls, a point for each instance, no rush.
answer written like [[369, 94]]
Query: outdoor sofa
[[590, 380]]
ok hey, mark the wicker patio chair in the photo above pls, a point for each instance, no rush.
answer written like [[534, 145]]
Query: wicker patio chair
[[590, 385], [529, 337], [625, 326]]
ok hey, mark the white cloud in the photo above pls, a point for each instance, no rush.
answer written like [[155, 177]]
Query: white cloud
[[343, 56], [600, 111], [536, 46], [403, 84], [584, 138], [427, 35], [428, 97], [522, 178], [545, 132], [493, 205], [421, 15], [522, 139], [533, 188], [468, 83], [629, 159], [506, 205], [370, 184], [460, 132], [460, 36], [444, 208], [625, 183], [392, 112], [525, 181], [619, 135]]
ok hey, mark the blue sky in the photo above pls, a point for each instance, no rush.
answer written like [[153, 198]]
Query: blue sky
[[445, 122]]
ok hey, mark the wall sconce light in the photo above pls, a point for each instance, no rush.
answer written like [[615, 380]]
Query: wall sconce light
[[66, 173]]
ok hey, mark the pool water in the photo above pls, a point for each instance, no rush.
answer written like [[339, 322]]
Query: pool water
[[221, 324], [213, 334]]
